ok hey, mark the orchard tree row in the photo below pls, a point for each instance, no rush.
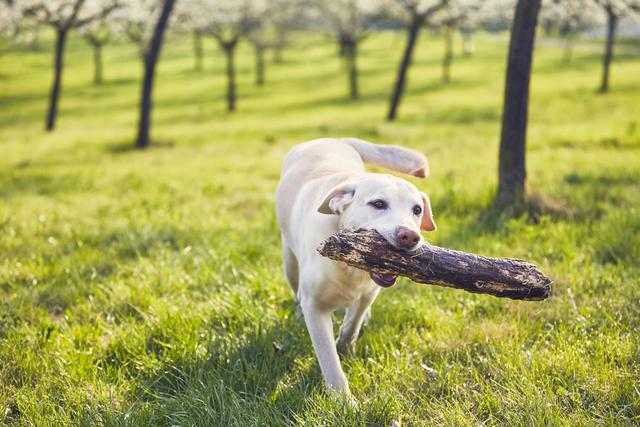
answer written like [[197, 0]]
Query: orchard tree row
[[268, 24]]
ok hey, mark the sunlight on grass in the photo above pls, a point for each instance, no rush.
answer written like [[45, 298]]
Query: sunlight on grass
[[144, 288]]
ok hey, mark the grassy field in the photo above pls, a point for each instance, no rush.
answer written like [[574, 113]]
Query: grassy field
[[145, 288]]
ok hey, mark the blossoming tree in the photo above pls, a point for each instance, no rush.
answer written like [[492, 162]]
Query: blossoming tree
[[416, 14], [63, 16], [350, 22]]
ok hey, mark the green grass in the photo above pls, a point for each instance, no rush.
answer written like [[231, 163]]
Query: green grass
[[144, 288]]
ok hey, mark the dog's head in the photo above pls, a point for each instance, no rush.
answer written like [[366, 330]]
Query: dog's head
[[393, 207]]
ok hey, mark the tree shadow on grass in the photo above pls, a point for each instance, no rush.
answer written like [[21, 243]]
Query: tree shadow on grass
[[577, 179], [15, 184], [596, 192], [486, 218], [238, 381], [125, 147], [582, 62], [437, 85], [252, 373], [378, 97]]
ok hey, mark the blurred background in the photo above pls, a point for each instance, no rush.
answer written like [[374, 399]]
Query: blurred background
[[140, 147]]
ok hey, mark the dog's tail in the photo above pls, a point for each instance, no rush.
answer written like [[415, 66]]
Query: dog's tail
[[392, 157]]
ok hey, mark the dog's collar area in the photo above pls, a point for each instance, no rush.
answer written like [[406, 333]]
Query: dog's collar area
[[384, 280]]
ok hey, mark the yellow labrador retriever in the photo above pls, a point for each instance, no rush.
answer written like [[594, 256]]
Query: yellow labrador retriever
[[324, 188]]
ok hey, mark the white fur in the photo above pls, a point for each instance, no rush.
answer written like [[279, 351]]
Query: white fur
[[324, 188]]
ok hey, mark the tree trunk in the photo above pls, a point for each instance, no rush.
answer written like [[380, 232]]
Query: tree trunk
[[281, 42], [34, 41], [612, 22], [512, 166], [468, 48], [197, 50], [342, 47], [568, 48], [412, 35], [259, 65], [448, 53], [351, 55], [231, 77], [501, 277], [61, 39], [277, 55], [150, 61], [97, 63]]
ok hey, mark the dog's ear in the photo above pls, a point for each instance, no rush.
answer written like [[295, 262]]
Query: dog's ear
[[427, 223], [338, 198]]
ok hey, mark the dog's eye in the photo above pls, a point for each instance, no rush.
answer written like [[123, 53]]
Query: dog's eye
[[379, 204], [417, 210]]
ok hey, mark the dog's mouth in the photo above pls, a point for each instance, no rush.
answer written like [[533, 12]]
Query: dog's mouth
[[384, 280]]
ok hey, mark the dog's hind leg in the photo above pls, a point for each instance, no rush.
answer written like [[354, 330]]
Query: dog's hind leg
[[290, 267], [291, 271], [356, 315]]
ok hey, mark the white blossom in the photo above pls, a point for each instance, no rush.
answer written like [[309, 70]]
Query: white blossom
[[65, 14], [136, 19], [350, 19], [9, 18]]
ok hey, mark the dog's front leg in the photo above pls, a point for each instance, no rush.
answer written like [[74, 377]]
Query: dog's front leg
[[321, 331]]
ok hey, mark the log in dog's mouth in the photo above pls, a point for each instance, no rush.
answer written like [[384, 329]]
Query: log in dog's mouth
[[384, 280]]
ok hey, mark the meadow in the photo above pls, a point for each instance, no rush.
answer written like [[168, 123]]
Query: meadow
[[145, 287]]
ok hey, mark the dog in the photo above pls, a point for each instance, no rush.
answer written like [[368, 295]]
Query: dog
[[324, 188]]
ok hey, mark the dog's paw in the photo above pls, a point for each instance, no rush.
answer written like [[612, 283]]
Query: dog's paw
[[345, 347], [344, 398]]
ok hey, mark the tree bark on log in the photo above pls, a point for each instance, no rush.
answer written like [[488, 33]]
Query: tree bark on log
[[500, 277]]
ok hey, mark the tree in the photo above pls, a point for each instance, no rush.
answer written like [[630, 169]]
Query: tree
[[63, 16], [571, 16], [456, 14], [614, 10], [190, 18], [417, 14], [567, 18], [8, 19], [350, 21], [97, 34], [259, 39], [227, 21], [136, 21], [283, 23], [512, 165], [272, 21], [151, 54], [17, 28]]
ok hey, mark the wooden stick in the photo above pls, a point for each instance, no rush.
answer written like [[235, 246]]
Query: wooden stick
[[501, 277]]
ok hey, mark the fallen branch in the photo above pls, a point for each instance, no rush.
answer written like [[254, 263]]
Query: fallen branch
[[501, 277]]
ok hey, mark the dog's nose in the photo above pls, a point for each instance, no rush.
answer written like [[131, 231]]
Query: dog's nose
[[406, 237]]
